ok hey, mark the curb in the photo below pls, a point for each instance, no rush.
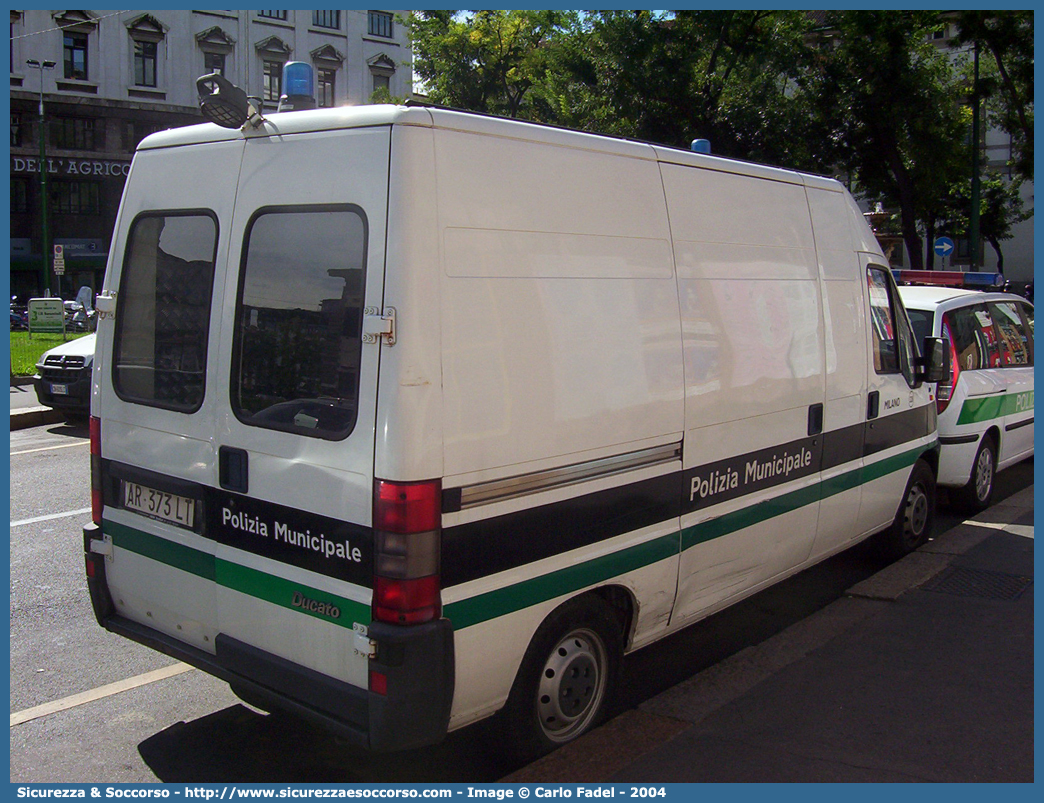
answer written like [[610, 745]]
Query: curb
[[593, 758], [35, 417]]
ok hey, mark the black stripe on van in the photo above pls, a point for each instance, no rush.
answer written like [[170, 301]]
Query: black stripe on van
[[499, 543]]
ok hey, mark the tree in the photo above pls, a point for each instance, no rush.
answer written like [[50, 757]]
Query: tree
[[1006, 37], [726, 76], [485, 61], [893, 105], [1000, 209]]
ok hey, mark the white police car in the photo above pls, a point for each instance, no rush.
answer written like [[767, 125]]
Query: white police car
[[986, 409]]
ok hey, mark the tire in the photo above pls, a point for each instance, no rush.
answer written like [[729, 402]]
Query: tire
[[566, 678], [976, 495], [914, 519]]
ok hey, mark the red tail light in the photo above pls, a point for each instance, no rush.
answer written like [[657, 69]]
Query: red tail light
[[97, 502], [945, 389], [407, 521]]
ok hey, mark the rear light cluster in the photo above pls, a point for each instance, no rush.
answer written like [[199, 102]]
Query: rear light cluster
[[97, 502], [945, 389], [407, 523]]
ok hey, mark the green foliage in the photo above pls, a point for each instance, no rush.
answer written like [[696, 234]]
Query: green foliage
[[893, 106], [1005, 41], [487, 61]]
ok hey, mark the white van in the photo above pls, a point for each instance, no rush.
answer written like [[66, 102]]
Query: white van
[[405, 416], [986, 407]]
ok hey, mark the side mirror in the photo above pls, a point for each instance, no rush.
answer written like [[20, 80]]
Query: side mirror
[[936, 364]]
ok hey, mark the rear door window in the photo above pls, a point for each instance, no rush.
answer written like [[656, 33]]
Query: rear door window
[[298, 337], [160, 354], [1014, 338]]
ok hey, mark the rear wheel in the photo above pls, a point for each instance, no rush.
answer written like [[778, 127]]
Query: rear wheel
[[915, 517], [566, 678], [976, 495]]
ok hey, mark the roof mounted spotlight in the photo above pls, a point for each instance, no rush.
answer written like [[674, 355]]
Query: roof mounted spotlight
[[700, 146], [221, 101]]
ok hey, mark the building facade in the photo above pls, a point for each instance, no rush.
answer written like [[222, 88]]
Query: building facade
[[110, 78]]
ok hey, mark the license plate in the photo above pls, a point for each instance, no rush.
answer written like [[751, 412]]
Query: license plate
[[159, 504], [60, 390]]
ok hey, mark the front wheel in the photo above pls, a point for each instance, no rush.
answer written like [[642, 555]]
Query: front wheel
[[976, 495], [915, 517], [566, 678]]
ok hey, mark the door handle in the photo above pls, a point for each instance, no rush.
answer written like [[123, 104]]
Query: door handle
[[232, 469], [815, 419], [873, 401]]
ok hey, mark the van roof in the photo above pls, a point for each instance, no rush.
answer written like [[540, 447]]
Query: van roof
[[344, 117]]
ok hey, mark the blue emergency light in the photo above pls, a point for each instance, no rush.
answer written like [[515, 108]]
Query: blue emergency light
[[298, 91]]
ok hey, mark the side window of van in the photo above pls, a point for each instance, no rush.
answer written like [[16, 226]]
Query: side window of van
[[1015, 345], [886, 359], [163, 318], [298, 335]]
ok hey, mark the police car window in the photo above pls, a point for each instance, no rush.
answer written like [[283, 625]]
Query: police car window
[[298, 335], [1014, 340], [922, 322], [163, 317], [962, 328]]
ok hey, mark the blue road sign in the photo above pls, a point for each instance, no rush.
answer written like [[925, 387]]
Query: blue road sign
[[943, 246]]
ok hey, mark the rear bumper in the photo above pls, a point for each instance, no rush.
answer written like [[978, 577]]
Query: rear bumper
[[417, 661]]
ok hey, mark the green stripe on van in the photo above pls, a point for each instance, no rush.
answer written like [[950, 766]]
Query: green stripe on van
[[502, 601], [975, 411], [254, 583]]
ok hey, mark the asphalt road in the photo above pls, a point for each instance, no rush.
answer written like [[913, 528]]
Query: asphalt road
[[189, 727]]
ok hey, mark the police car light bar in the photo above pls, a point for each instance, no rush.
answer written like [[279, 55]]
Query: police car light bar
[[949, 278]]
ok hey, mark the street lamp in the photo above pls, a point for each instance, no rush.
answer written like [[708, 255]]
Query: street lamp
[[45, 243]]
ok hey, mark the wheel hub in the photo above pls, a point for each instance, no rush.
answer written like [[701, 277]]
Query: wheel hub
[[983, 474], [571, 685]]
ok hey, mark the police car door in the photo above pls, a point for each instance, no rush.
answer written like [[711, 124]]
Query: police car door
[[900, 419], [295, 440]]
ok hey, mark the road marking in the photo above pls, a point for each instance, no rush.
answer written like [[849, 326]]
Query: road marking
[[97, 694], [51, 517], [49, 448], [1025, 530]]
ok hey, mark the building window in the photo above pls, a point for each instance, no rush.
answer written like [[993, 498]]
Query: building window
[[380, 23], [135, 132], [74, 133], [272, 79], [273, 15], [381, 82], [144, 63], [327, 19], [75, 198], [214, 63], [16, 130], [19, 195], [326, 83], [76, 56]]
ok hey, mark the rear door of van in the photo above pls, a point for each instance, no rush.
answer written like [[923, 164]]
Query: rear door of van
[[240, 429]]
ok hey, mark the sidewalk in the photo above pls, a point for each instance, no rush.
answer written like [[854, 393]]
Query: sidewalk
[[26, 410], [923, 672]]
